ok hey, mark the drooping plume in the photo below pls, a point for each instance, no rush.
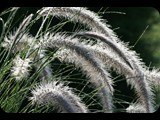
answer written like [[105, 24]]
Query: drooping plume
[[68, 56], [87, 60], [108, 43], [81, 15], [59, 96]]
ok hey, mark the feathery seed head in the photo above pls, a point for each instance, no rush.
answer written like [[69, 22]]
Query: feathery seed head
[[79, 14], [20, 68], [81, 56], [58, 95], [108, 43], [23, 42], [72, 43]]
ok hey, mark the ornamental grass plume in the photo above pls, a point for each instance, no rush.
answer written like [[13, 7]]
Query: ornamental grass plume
[[81, 15], [23, 43], [20, 69], [59, 96], [140, 83], [108, 43], [62, 40], [89, 62], [107, 58], [68, 56]]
